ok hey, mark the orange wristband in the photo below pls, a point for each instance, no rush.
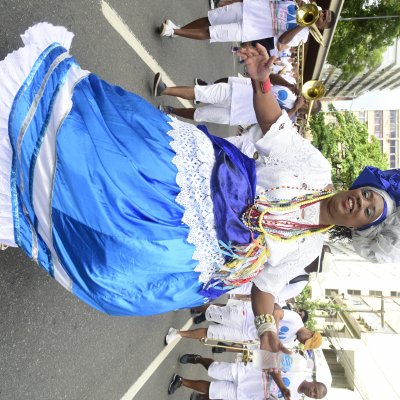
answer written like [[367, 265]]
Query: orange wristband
[[266, 86]]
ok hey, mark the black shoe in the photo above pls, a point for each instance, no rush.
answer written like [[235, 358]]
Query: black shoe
[[218, 350], [189, 358], [214, 4], [175, 384], [196, 396], [158, 86], [199, 319], [200, 82]]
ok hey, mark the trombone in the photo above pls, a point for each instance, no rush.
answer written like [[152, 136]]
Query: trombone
[[307, 15], [247, 353]]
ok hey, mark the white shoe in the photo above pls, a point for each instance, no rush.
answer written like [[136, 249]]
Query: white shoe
[[167, 28], [172, 336]]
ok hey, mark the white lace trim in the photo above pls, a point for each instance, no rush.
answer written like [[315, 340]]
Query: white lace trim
[[14, 69], [195, 160]]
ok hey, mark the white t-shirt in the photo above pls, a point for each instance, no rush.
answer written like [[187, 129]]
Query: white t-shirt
[[242, 109], [264, 19], [285, 97], [292, 381], [288, 327], [251, 383]]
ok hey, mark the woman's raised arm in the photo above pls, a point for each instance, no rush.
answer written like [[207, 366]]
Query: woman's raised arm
[[259, 65]]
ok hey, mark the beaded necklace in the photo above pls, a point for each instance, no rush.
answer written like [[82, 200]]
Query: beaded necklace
[[256, 217], [246, 261]]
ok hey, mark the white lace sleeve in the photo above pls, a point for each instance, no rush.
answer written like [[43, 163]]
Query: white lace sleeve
[[287, 159]]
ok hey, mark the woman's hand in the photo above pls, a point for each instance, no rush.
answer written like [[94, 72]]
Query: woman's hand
[[285, 393], [269, 341], [258, 62]]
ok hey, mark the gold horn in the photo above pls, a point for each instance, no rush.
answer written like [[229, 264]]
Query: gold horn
[[312, 90], [307, 15]]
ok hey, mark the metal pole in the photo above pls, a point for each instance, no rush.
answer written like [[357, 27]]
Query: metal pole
[[363, 18]]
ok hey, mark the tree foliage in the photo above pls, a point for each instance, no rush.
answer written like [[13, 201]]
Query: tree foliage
[[345, 142], [359, 44], [303, 301]]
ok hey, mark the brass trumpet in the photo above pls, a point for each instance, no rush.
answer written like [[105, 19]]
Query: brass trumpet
[[307, 15]]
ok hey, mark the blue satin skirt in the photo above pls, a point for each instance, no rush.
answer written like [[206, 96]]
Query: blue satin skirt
[[114, 206], [94, 191]]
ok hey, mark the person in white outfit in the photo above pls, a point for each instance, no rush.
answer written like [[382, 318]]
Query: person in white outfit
[[249, 21], [231, 103], [237, 381], [236, 323]]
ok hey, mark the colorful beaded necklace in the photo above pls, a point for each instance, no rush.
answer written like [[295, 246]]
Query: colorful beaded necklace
[[244, 262], [256, 217]]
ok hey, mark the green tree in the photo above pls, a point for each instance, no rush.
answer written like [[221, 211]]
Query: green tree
[[359, 44], [345, 142], [303, 300]]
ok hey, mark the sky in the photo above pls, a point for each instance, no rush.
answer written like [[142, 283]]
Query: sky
[[374, 100]]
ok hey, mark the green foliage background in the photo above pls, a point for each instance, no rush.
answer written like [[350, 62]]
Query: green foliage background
[[344, 142], [359, 44]]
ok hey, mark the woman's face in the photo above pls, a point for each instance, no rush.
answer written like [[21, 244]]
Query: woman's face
[[355, 208]]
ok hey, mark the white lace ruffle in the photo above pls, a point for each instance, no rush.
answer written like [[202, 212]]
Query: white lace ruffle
[[14, 69], [195, 160]]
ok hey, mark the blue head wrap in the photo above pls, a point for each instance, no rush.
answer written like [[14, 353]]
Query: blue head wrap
[[387, 181]]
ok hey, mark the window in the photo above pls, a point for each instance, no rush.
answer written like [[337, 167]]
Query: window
[[331, 292], [394, 293], [354, 292], [378, 131], [375, 293]]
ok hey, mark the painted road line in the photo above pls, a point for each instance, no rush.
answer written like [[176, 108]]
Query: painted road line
[[146, 375], [119, 25]]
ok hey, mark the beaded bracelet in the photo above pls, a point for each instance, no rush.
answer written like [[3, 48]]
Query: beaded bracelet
[[263, 319], [267, 327]]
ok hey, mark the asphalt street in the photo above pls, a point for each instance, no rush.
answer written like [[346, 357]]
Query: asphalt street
[[52, 346]]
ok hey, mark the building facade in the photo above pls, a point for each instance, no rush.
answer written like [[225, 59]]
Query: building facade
[[362, 339], [385, 126], [386, 76]]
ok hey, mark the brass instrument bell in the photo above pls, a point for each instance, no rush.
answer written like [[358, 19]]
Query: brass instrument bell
[[313, 90], [307, 15]]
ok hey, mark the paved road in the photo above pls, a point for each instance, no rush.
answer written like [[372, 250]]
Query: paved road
[[51, 345]]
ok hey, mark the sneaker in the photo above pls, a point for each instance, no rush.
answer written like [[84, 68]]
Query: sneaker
[[219, 349], [200, 82], [199, 319], [171, 336], [175, 384], [189, 358], [158, 85], [166, 109], [167, 28]]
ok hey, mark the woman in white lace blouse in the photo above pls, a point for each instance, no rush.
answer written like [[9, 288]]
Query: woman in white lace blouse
[[137, 213]]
